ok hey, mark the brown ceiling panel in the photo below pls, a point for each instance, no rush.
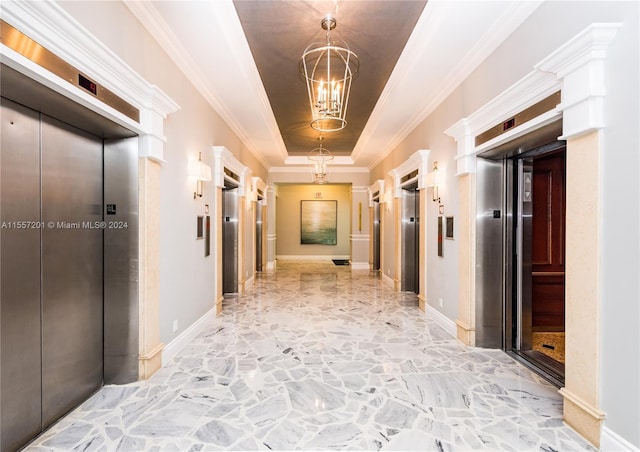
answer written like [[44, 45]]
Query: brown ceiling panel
[[279, 31]]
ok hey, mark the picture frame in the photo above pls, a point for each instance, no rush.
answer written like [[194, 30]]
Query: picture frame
[[318, 222]]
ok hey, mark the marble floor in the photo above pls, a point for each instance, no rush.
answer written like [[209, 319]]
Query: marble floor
[[317, 357]]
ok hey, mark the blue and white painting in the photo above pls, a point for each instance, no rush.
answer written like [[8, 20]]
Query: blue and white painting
[[318, 222]]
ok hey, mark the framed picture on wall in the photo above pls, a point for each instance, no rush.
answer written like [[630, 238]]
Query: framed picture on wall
[[319, 222]]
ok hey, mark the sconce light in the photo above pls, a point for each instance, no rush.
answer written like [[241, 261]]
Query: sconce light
[[201, 171], [434, 178]]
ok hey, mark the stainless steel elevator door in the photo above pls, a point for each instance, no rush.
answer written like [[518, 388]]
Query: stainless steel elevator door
[[376, 235], [229, 240], [259, 235], [20, 370], [410, 239], [72, 267], [489, 253]]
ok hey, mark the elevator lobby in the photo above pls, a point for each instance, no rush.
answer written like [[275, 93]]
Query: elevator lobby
[[319, 225]]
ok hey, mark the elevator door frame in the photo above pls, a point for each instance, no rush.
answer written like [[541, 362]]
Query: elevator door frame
[[259, 232], [410, 224], [231, 236], [517, 252], [118, 350], [376, 243]]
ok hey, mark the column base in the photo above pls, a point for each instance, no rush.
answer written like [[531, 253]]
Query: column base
[[422, 303], [219, 305], [465, 333], [150, 363], [582, 417]]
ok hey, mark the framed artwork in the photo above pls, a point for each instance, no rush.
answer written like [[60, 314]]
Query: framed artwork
[[318, 222]]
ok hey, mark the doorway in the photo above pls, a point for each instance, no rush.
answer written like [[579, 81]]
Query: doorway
[[229, 238], [520, 246], [539, 187], [376, 235], [69, 252], [410, 238], [259, 243]]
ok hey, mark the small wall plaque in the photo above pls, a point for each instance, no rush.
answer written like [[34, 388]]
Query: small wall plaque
[[449, 228], [200, 227]]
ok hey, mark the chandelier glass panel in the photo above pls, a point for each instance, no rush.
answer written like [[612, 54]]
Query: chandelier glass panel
[[328, 69]]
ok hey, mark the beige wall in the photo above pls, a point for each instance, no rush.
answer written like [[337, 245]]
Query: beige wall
[[187, 277], [288, 219]]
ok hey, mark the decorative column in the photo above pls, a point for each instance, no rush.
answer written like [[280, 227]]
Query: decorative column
[[271, 228], [580, 65], [359, 229], [466, 168], [151, 152]]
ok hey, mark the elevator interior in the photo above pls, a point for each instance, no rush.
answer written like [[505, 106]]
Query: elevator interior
[[230, 232], [68, 259], [520, 250], [410, 238]]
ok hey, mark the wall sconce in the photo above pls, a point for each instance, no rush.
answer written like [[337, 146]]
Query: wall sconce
[[433, 181], [202, 172]]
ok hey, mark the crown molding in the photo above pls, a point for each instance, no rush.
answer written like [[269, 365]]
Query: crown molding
[[576, 68], [229, 28], [53, 28], [407, 75]]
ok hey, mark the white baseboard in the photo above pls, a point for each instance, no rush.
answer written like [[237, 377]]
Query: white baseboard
[[271, 266], [612, 442], [309, 258], [442, 320], [182, 340], [359, 265]]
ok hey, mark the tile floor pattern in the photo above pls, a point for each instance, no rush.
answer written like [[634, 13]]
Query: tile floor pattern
[[317, 357]]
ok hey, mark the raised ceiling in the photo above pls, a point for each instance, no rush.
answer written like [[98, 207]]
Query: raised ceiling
[[278, 33], [243, 58]]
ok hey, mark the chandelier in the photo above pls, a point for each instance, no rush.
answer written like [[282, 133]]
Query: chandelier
[[319, 158], [328, 69]]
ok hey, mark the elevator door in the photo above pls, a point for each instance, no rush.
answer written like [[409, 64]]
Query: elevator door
[[259, 235], [376, 235], [410, 238], [71, 268], [52, 266], [229, 240]]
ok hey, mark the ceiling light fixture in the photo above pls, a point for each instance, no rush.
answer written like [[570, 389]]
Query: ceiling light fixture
[[320, 156], [328, 70]]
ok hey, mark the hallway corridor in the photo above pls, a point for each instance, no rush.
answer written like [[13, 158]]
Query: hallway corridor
[[318, 357]]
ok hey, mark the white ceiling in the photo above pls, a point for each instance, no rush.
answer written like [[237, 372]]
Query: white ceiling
[[450, 40]]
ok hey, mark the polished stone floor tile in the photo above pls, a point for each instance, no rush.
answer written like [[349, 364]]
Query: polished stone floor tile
[[317, 357]]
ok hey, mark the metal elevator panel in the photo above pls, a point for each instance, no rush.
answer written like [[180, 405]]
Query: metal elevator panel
[[20, 367], [121, 265], [523, 255], [410, 239], [72, 268], [259, 223], [229, 240], [376, 235], [489, 253]]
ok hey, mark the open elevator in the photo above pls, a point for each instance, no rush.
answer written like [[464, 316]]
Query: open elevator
[[230, 236], [520, 249], [68, 259]]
